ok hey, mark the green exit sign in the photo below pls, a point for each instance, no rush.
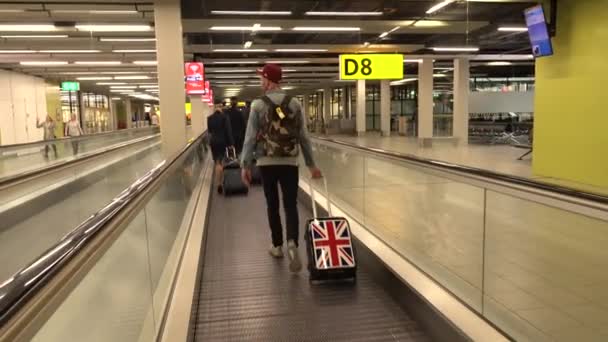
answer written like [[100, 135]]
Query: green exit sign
[[70, 86]]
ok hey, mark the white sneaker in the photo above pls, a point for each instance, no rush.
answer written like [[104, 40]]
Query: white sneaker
[[295, 265], [276, 252]]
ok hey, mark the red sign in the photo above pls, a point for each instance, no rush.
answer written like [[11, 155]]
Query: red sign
[[195, 78]]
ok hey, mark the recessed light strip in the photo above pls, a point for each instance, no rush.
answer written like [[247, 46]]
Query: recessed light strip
[[456, 49], [439, 6], [127, 39], [326, 28], [220, 12], [513, 29], [375, 13], [34, 36]]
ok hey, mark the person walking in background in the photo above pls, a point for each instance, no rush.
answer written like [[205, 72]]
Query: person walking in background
[[276, 131], [73, 129], [237, 122], [48, 127], [154, 118], [220, 138]]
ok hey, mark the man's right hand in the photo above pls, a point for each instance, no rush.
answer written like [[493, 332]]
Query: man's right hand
[[315, 173], [246, 176]]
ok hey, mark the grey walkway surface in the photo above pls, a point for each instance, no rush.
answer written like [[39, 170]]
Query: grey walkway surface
[[249, 296]]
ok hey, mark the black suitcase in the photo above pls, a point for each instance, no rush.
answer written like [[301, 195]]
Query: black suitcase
[[329, 247], [233, 183]]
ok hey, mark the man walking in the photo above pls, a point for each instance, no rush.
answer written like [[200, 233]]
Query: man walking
[[276, 132], [238, 124]]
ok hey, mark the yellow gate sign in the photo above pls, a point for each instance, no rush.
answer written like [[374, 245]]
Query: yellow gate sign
[[371, 67]]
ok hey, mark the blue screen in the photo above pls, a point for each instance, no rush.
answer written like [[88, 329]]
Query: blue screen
[[537, 30]]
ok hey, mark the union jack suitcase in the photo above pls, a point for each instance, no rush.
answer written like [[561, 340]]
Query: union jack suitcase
[[331, 254]]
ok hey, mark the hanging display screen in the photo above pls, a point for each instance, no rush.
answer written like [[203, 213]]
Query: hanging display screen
[[195, 78], [538, 32]]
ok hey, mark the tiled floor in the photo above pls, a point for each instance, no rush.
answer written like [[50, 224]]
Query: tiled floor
[[498, 158], [536, 271]]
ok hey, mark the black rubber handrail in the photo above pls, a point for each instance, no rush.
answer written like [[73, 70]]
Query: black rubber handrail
[[23, 285], [497, 176], [79, 158], [81, 137]]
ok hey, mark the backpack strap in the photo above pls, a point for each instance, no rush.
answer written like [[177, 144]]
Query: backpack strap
[[286, 101], [268, 101]]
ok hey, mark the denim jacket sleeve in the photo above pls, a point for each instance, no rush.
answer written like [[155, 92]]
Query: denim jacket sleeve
[[251, 134]]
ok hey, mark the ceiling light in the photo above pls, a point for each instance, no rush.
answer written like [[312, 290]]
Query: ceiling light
[[383, 34], [288, 88], [148, 86], [145, 62], [300, 50], [439, 6], [239, 50], [251, 12], [325, 28], [430, 23], [513, 29], [230, 70], [27, 27], [113, 28], [33, 36], [287, 62], [135, 51], [499, 63], [245, 28], [122, 91], [248, 44], [115, 98], [138, 77], [233, 76], [236, 62], [456, 49], [439, 75], [412, 61], [97, 63], [43, 63], [96, 11], [110, 83], [69, 51], [127, 39], [123, 72], [17, 51], [123, 87], [405, 80], [342, 14], [366, 44], [94, 78]]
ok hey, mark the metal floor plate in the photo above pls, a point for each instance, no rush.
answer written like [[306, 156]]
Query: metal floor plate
[[248, 296]]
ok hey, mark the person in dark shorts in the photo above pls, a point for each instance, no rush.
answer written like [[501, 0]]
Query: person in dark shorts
[[220, 137], [237, 123]]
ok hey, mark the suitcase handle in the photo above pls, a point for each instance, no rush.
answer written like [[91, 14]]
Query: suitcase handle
[[312, 197], [230, 153]]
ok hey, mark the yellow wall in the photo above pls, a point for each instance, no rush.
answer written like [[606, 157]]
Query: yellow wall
[[571, 111]]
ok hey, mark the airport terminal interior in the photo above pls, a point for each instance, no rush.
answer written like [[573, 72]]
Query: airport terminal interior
[[450, 166]]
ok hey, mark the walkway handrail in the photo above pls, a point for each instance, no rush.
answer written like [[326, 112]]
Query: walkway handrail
[[496, 176], [25, 284], [79, 158]]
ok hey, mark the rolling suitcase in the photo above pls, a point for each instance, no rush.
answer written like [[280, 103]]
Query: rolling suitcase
[[330, 251], [233, 183]]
